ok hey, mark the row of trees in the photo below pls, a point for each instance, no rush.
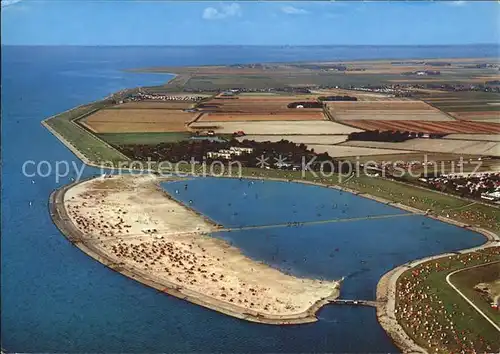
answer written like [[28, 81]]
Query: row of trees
[[281, 155], [390, 136]]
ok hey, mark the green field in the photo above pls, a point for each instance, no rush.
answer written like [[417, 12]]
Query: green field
[[464, 101], [283, 80], [143, 138]]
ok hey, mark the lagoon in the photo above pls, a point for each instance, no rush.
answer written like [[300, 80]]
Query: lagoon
[[361, 250], [234, 202]]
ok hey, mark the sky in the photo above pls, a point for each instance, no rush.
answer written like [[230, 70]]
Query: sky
[[136, 22]]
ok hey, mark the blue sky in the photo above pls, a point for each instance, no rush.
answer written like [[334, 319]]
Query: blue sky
[[135, 22]]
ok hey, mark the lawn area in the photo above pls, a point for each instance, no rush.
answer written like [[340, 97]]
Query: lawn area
[[467, 279], [435, 315], [143, 138], [441, 204]]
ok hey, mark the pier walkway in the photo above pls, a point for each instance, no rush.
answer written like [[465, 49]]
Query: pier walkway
[[304, 223], [355, 302]]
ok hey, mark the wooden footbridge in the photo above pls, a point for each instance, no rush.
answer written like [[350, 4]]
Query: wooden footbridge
[[355, 302]]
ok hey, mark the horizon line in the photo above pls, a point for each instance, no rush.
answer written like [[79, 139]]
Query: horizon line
[[250, 45]]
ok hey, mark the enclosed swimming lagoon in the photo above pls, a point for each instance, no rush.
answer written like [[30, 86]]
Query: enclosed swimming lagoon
[[318, 232], [234, 202]]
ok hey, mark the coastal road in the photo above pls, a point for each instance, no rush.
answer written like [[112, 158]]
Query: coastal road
[[467, 299]]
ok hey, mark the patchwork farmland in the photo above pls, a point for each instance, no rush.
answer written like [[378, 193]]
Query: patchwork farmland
[[449, 127], [435, 145], [257, 104], [362, 96], [351, 151], [488, 116], [277, 128], [246, 117], [482, 137], [385, 110], [260, 108], [137, 120], [477, 106]]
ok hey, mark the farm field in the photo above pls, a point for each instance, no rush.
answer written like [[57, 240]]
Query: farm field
[[137, 120], [155, 105], [450, 127], [304, 139], [256, 104], [360, 95], [474, 106], [380, 105], [391, 115], [480, 116], [246, 117], [143, 138], [348, 151], [277, 127], [481, 137], [385, 110], [436, 145]]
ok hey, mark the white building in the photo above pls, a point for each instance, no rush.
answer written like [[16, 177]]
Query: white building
[[241, 149], [219, 155]]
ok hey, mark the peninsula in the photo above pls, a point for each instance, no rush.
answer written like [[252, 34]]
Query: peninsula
[[131, 225]]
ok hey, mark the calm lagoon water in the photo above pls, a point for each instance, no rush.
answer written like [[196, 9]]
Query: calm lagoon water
[[360, 250], [56, 299], [234, 203]]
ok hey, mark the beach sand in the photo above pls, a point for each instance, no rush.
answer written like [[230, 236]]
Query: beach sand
[[133, 222]]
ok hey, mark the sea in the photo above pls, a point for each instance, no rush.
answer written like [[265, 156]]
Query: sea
[[55, 299]]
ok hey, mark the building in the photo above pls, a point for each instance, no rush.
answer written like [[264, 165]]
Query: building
[[245, 150], [219, 155], [493, 196]]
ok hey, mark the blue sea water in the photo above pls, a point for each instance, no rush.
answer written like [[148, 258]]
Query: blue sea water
[[54, 297]]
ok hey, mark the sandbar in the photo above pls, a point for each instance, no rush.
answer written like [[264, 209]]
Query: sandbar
[[130, 224]]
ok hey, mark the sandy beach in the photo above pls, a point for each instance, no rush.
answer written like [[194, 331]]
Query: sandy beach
[[132, 222]]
